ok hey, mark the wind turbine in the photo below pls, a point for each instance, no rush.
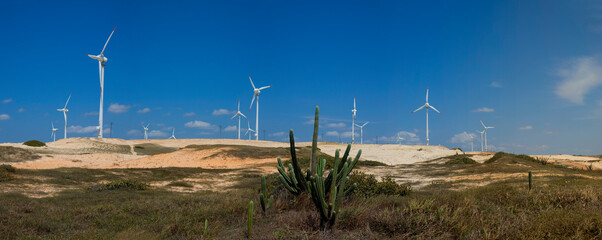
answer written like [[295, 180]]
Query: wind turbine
[[485, 131], [145, 131], [427, 105], [65, 111], [256, 92], [239, 114], [101, 69], [249, 129], [399, 139], [471, 143], [362, 131], [53, 135], [353, 111], [173, 134], [481, 132]]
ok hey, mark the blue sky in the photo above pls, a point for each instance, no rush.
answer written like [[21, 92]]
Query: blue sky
[[532, 69]]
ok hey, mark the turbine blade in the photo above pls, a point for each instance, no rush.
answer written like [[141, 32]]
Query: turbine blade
[[251, 82], [252, 101], [67, 101], [353, 102], [435, 109], [261, 88], [365, 123], [234, 116], [483, 124], [427, 94], [103, 49], [243, 115], [418, 109], [356, 125]]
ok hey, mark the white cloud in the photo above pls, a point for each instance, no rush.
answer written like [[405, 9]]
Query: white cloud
[[548, 132], [134, 132], [348, 134], [189, 114], [222, 111], [463, 137], [277, 134], [332, 134], [230, 128], [118, 108], [4, 117], [144, 110], [157, 133], [528, 127], [8, 100], [579, 78], [309, 122], [199, 124], [334, 125], [21, 110], [81, 129], [90, 114], [495, 84], [408, 137], [483, 109]]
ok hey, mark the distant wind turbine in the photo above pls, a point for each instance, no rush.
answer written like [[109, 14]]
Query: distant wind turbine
[[471, 142], [354, 116], [65, 111], [239, 114], [173, 134], [481, 132], [53, 135], [362, 131], [399, 139], [145, 130], [249, 130], [256, 92], [101, 69], [485, 130], [427, 105]]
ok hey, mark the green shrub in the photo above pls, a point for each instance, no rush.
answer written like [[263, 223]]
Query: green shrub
[[5, 172], [368, 186], [495, 157], [34, 143], [8, 168], [127, 184], [461, 160]]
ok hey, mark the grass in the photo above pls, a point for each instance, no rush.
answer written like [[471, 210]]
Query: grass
[[152, 149], [13, 154], [34, 143], [180, 184], [461, 160]]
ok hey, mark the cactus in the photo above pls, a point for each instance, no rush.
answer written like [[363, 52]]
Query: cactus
[[530, 180], [314, 142], [250, 219], [205, 230], [263, 198]]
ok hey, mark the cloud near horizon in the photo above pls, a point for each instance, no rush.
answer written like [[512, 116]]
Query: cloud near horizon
[[528, 127], [8, 100], [199, 124], [581, 76], [118, 108], [81, 129], [219, 112], [144, 110], [484, 109], [230, 128], [4, 117]]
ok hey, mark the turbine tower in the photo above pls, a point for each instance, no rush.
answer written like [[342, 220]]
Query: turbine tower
[[427, 106], [256, 92], [173, 134], [65, 111], [481, 132], [239, 114], [249, 130], [145, 131], [485, 130], [354, 116], [53, 135], [101, 69], [362, 131], [471, 143]]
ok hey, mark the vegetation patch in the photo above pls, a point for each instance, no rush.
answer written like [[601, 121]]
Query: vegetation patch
[[6, 172], [180, 184], [13, 154], [34, 143], [368, 186], [127, 184], [152, 149], [461, 160]]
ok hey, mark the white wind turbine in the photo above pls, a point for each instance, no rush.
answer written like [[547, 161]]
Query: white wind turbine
[[145, 131], [354, 116], [249, 130], [481, 132], [399, 139], [362, 131], [173, 134], [256, 92], [101, 69], [65, 111], [53, 135], [471, 142], [239, 114], [485, 130], [427, 105]]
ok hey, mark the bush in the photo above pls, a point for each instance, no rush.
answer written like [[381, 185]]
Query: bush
[[180, 184], [34, 143], [368, 186], [127, 184], [495, 157], [461, 160], [5, 172]]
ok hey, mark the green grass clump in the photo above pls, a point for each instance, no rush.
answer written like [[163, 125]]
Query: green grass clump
[[180, 184], [34, 143], [127, 184], [495, 157], [5, 172], [368, 186], [461, 160]]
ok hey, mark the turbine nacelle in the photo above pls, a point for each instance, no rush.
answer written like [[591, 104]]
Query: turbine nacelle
[[99, 57]]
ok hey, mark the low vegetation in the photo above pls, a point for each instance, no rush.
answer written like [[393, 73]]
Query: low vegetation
[[13, 154], [127, 184], [461, 160], [6, 172], [34, 143]]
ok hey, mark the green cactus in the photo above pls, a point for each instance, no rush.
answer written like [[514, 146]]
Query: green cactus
[[263, 198], [530, 180], [314, 142], [250, 219], [205, 230]]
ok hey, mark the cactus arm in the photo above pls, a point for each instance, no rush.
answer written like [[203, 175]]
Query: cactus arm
[[250, 219], [287, 186], [314, 142], [296, 166]]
